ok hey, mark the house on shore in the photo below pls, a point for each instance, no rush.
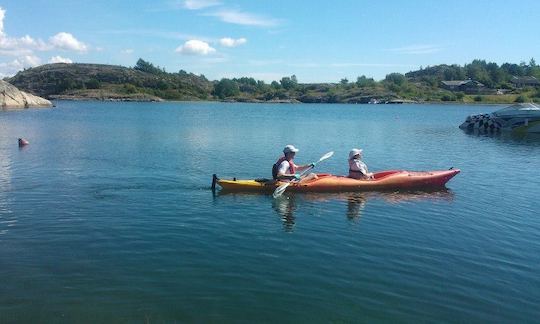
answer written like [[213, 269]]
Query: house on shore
[[466, 86], [524, 81]]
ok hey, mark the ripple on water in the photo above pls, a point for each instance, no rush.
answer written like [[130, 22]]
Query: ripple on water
[[119, 221]]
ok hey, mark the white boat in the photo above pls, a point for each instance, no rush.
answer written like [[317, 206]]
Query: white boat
[[519, 118]]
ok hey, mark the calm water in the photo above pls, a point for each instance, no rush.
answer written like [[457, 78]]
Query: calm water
[[107, 216]]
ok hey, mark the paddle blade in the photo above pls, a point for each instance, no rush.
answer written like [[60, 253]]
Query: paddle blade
[[280, 190], [326, 156]]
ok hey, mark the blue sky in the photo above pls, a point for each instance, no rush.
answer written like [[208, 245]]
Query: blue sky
[[318, 41]]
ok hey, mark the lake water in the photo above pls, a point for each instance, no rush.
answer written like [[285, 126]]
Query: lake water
[[107, 216]]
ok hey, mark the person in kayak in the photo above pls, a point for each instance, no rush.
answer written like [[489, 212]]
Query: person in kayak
[[285, 170], [357, 168]]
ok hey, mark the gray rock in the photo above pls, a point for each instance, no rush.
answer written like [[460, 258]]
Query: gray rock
[[11, 97]]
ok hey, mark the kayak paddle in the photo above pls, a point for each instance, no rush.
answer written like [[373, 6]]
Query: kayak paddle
[[279, 190]]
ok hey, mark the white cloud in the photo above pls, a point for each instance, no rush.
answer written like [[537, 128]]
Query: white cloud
[[127, 51], [230, 42], [66, 41], [60, 59], [2, 16], [200, 4], [243, 18], [195, 47], [417, 49], [23, 48], [10, 68]]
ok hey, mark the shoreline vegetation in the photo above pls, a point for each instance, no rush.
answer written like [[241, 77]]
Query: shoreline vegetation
[[476, 82]]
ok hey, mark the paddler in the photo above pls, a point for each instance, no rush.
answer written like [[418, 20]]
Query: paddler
[[285, 170], [357, 168]]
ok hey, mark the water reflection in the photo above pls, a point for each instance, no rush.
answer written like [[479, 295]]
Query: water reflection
[[6, 216], [285, 207], [514, 137], [356, 202]]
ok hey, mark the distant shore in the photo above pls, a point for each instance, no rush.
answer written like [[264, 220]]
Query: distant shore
[[477, 82], [255, 101]]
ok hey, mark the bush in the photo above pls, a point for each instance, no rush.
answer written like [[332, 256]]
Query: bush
[[521, 99], [93, 84], [448, 98], [130, 88], [396, 78], [478, 98], [226, 88]]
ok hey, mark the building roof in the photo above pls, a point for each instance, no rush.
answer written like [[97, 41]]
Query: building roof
[[458, 83], [525, 79]]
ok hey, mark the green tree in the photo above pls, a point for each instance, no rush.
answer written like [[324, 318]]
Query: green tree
[[275, 85], [289, 83], [363, 82], [147, 67], [226, 88], [396, 78], [93, 84]]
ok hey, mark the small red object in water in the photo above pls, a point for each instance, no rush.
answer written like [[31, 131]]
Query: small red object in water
[[23, 142]]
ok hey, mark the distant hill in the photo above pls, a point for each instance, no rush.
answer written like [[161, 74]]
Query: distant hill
[[489, 82], [99, 81]]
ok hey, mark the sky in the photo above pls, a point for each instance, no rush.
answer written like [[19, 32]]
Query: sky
[[318, 41]]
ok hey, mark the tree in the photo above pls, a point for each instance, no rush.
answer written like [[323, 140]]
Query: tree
[[147, 67], [289, 83], [93, 84], [363, 82], [226, 88], [275, 85], [344, 81], [396, 78]]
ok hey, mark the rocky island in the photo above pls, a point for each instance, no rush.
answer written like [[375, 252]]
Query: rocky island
[[11, 97]]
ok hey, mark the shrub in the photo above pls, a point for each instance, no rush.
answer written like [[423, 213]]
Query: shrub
[[521, 99], [447, 97], [478, 98], [93, 84]]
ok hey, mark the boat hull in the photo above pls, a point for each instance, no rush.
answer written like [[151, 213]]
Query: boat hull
[[519, 119], [386, 180]]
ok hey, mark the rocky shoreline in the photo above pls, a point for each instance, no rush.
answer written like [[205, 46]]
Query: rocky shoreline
[[13, 98]]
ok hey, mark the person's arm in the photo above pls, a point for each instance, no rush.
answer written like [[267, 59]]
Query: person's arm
[[364, 170], [282, 171], [301, 168]]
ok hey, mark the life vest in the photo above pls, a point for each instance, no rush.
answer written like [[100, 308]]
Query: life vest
[[275, 167]]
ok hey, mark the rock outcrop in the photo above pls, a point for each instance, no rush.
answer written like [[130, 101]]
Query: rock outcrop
[[11, 97]]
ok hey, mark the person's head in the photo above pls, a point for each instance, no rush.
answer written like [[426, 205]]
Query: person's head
[[355, 154], [290, 151]]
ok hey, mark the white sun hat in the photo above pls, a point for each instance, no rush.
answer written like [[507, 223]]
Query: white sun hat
[[354, 152], [290, 148]]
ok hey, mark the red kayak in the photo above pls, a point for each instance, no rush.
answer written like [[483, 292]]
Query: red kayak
[[385, 180]]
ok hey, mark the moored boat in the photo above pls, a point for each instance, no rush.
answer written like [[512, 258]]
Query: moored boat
[[519, 118], [385, 180]]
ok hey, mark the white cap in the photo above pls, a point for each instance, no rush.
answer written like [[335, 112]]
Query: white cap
[[290, 148], [354, 152]]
